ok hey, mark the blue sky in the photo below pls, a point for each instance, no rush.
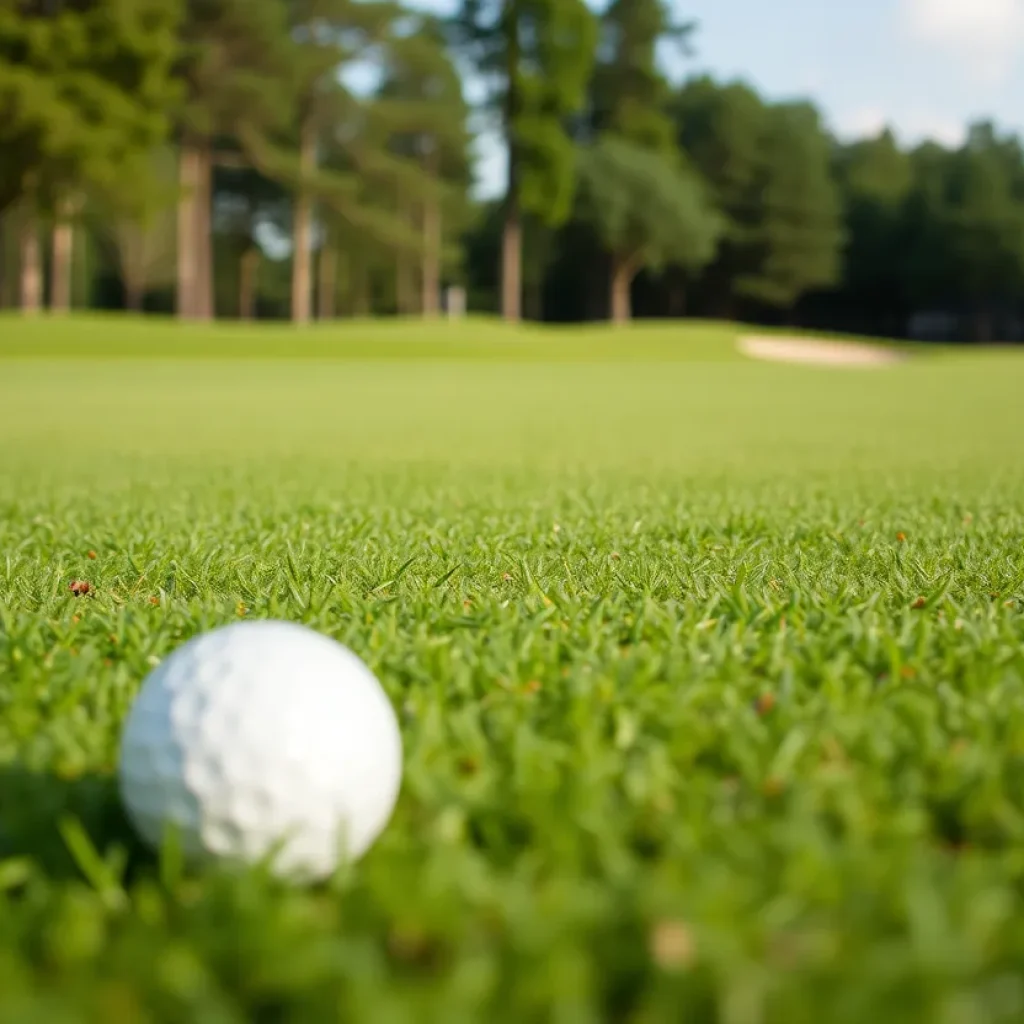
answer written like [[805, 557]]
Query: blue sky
[[925, 67]]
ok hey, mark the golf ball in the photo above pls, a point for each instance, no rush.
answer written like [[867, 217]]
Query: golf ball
[[262, 740]]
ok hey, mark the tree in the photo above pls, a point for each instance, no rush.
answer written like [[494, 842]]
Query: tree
[[426, 119], [329, 35], [629, 94], [875, 178], [645, 205], [536, 56], [769, 170], [646, 212], [720, 129], [798, 236], [245, 201], [984, 219], [134, 224], [235, 65], [84, 87]]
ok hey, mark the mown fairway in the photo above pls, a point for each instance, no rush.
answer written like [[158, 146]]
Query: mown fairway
[[710, 673]]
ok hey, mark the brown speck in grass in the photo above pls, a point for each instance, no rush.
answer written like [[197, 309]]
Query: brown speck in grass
[[764, 703], [79, 587], [901, 536], [92, 555], [672, 946], [919, 603], [408, 944]]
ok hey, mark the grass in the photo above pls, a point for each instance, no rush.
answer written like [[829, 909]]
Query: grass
[[710, 672]]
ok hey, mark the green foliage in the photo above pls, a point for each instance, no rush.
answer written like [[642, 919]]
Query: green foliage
[[629, 93], [798, 236], [985, 218], [711, 694], [236, 61], [346, 120], [645, 209], [84, 90], [875, 179], [645, 206], [538, 54], [769, 168], [135, 224]]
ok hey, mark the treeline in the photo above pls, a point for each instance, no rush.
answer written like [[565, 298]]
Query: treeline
[[313, 159]]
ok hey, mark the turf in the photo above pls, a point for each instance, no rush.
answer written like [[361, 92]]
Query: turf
[[710, 672]]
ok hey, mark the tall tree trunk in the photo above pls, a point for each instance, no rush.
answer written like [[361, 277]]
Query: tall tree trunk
[[62, 252], [623, 270], [327, 287], [31, 281], [302, 232], [511, 261], [204, 233], [248, 268], [512, 233], [81, 272], [5, 261], [134, 294], [405, 296], [188, 246], [361, 304], [405, 287], [431, 268]]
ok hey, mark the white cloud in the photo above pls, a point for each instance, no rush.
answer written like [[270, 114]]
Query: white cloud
[[987, 35]]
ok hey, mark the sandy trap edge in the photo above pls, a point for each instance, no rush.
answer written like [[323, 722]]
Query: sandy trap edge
[[817, 352]]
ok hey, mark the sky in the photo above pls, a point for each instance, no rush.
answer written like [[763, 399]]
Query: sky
[[926, 68]]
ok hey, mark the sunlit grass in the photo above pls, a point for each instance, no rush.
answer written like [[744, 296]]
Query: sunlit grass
[[710, 674]]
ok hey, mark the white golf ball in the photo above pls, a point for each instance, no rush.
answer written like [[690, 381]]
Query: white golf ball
[[262, 738]]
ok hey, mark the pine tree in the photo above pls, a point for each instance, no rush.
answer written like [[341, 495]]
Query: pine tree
[[235, 66], [537, 55], [329, 35], [646, 206], [421, 104], [86, 88], [768, 168]]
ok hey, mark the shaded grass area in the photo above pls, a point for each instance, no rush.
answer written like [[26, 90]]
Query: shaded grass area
[[710, 678]]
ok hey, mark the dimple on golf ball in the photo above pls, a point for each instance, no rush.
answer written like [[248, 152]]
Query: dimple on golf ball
[[262, 739]]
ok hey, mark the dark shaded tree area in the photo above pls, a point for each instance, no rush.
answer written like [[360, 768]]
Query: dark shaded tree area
[[311, 159]]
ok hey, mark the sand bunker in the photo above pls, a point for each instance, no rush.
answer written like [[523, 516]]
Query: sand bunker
[[818, 352]]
